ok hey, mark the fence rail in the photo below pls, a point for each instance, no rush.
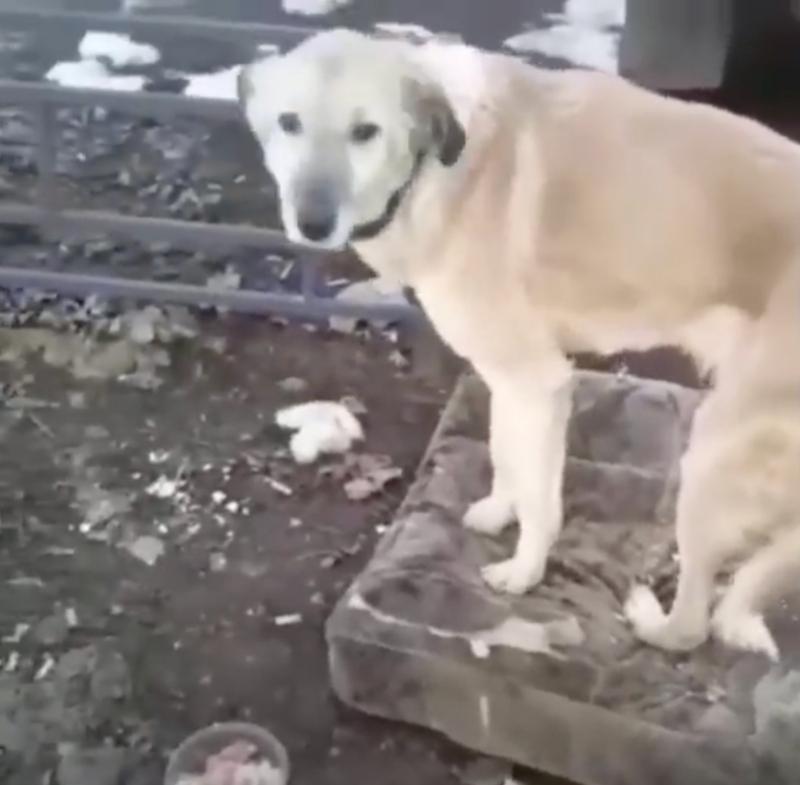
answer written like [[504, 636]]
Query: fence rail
[[49, 217]]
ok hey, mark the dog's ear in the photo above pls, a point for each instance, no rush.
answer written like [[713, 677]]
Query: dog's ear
[[436, 123]]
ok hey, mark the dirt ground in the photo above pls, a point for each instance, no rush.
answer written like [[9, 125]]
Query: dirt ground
[[103, 651]]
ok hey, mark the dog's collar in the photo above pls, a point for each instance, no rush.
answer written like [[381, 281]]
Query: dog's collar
[[371, 229]]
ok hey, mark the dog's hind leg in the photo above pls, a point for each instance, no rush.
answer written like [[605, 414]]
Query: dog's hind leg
[[701, 554], [738, 619], [532, 409]]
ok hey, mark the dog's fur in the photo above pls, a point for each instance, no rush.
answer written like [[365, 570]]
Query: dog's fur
[[582, 214]]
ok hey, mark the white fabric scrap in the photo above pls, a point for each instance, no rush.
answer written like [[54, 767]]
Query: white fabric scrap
[[321, 427]]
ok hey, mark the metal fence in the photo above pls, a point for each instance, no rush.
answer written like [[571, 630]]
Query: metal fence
[[45, 214]]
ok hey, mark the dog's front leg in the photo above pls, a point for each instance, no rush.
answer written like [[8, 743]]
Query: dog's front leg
[[491, 514], [529, 412]]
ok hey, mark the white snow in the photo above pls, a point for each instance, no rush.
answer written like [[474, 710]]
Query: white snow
[[313, 7], [320, 427], [118, 49], [406, 30], [585, 34], [219, 84], [93, 75]]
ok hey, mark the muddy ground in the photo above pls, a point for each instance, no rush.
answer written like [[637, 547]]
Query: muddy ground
[[108, 660]]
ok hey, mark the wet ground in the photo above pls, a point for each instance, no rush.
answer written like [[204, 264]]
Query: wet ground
[[166, 564]]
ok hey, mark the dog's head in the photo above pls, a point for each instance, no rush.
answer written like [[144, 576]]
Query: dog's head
[[345, 121]]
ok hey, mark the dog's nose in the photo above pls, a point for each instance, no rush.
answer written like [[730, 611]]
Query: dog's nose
[[316, 227]]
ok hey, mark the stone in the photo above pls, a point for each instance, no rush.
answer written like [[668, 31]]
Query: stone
[[52, 630], [555, 681]]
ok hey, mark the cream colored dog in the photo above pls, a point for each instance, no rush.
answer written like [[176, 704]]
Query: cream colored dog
[[539, 213]]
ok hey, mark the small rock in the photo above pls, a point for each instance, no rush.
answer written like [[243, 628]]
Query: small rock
[[293, 384], [371, 474], [163, 487], [218, 497], [100, 766], [147, 549], [217, 562], [51, 631]]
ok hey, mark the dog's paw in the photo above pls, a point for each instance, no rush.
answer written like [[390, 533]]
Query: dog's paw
[[644, 612], [489, 515], [654, 627], [514, 576], [745, 631]]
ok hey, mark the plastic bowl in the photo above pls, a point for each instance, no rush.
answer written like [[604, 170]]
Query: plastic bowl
[[191, 756]]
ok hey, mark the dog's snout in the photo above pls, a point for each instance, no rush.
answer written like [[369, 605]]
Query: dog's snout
[[316, 214], [316, 227]]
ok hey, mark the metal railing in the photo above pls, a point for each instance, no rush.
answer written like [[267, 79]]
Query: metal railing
[[51, 219]]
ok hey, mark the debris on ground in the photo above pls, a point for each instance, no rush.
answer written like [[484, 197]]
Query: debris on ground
[[293, 385], [288, 619], [147, 549], [93, 75], [370, 474], [236, 764], [321, 427]]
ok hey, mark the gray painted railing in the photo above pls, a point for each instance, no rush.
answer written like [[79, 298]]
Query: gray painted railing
[[45, 214]]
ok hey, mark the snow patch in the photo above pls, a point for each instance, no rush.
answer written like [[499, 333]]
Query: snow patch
[[313, 7], [92, 75], [119, 50], [220, 85], [585, 34]]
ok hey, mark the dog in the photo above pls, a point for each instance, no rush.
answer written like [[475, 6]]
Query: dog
[[537, 214], [740, 498]]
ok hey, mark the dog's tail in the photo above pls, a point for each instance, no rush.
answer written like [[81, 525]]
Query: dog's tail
[[763, 578]]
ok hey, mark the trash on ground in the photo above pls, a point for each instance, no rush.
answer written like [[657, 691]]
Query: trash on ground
[[147, 549], [370, 475], [236, 764], [321, 427]]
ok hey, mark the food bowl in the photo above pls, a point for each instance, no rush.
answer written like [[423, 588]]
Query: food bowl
[[229, 753]]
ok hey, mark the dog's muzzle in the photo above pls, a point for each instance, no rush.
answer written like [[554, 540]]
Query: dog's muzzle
[[316, 209]]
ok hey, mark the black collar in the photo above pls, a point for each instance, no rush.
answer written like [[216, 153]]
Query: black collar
[[371, 229]]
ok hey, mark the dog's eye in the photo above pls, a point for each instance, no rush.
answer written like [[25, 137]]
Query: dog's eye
[[289, 123], [363, 132]]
